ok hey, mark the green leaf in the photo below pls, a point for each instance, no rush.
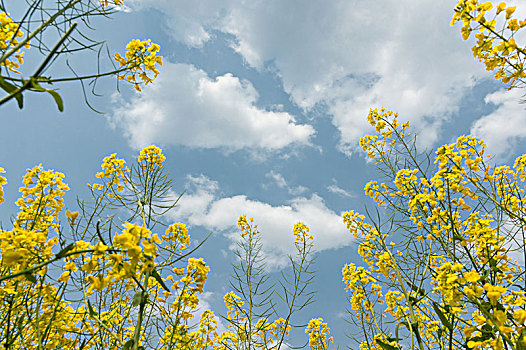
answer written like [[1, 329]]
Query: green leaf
[[128, 345], [487, 331], [90, 310], [393, 339], [158, 278], [443, 318], [481, 338], [484, 276], [64, 251], [493, 264], [58, 100], [139, 298], [385, 345], [30, 278], [43, 79], [10, 88], [420, 291]]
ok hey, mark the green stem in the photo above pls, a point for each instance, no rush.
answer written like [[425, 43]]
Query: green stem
[[50, 20], [42, 264], [144, 299], [28, 82], [92, 76], [414, 320]]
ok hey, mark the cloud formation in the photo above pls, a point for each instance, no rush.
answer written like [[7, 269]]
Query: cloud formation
[[348, 55], [203, 206], [187, 107], [505, 126], [339, 191], [280, 181]]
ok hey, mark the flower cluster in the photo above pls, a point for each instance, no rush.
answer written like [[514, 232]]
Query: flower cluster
[[495, 47], [106, 3], [140, 60], [359, 283], [386, 124], [264, 335], [28, 247], [318, 334], [302, 236], [151, 157], [3, 181], [117, 276], [183, 338], [247, 226], [9, 32], [454, 219], [177, 235], [247, 328], [114, 175], [40, 205], [271, 332]]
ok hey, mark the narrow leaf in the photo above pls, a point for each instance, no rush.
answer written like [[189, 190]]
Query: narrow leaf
[[64, 251], [58, 100], [443, 318], [420, 291], [128, 345], [385, 345], [90, 310], [158, 278], [137, 298], [10, 88], [30, 278]]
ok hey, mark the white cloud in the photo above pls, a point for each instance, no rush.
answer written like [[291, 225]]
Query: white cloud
[[206, 208], [200, 193], [339, 191], [351, 55], [280, 181], [186, 107], [505, 126], [188, 21]]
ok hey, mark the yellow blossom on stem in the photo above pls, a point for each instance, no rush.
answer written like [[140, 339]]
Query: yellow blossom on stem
[[140, 60]]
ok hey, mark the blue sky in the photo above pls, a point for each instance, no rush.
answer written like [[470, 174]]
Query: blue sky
[[259, 108]]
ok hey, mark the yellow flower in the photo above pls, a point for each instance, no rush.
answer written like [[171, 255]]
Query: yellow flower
[[494, 292], [3, 181], [141, 58], [520, 316], [177, 235], [9, 32], [510, 11], [472, 276], [106, 3], [11, 257], [318, 334], [64, 277], [153, 155], [501, 7], [72, 216]]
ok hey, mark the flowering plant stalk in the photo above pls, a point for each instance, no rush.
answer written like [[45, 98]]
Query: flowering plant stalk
[[254, 302], [56, 34], [496, 31], [444, 254], [108, 283]]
